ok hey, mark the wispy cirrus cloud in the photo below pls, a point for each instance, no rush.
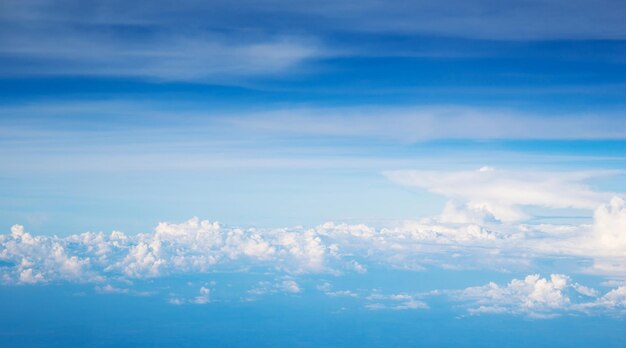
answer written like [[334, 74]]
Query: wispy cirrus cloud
[[149, 40], [224, 42], [127, 136]]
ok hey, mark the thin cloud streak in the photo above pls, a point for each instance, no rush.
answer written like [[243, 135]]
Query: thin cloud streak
[[222, 41]]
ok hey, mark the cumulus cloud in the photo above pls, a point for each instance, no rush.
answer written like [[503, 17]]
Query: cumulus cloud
[[289, 286], [533, 296], [604, 241], [192, 246], [539, 297], [37, 259], [200, 246], [610, 226], [495, 204], [197, 246]]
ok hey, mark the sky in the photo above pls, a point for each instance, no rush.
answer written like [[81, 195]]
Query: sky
[[329, 173]]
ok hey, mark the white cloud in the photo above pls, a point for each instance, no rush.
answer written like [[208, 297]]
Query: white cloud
[[192, 246], [610, 226], [488, 193], [28, 277], [41, 259], [202, 246], [289, 286], [327, 289], [285, 286], [615, 298], [604, 241], [110, 289], [401, 301], [356, 266], [538, 297], [534, 296], [197, 246], [203, 296]]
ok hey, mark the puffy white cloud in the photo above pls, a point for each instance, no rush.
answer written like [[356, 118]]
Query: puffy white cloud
[[603, 241], [533, 296], [28, 277], [192, 246], [143, 260], [289, 286], [615, 298], [201, 246], [610, 226], [539, 297], [38, 259], [327, 289]]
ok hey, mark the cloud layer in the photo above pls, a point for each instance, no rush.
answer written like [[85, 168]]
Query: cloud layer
[[197, 246]]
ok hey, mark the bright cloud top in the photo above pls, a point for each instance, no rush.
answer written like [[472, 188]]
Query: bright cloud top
[[488, 193], [539, 297]]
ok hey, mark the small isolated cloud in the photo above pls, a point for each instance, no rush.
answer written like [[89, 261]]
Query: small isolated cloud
[[327, 289], [203, 296], [175, 301], [110, 289], [288, 286], [401, 301]]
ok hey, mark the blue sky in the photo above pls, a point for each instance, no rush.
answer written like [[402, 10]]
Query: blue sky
[[333, 173]]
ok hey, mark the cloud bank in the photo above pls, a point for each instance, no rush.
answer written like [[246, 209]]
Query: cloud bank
[[200, 246]]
